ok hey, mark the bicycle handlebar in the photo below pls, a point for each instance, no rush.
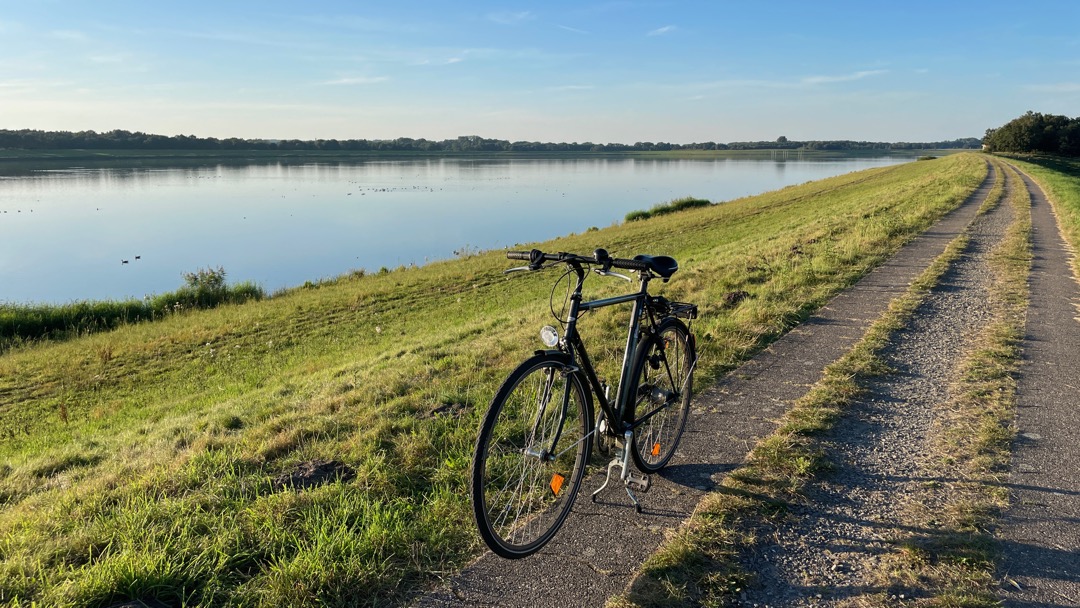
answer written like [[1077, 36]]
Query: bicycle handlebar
[[536, 258]]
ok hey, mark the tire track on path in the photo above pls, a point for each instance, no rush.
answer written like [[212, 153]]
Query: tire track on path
[[1041, 530], [886, 487], [602, 545]]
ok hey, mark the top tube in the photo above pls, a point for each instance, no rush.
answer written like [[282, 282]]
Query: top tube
[[630, 297]]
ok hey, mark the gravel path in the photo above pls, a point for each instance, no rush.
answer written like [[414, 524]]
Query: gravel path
[[602, 545], [1041, 531], [828, 551]]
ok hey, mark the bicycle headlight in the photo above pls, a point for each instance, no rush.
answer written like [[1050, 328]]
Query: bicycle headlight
[[550, 336]]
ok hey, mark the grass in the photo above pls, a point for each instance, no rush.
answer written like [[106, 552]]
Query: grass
[[141, 463]]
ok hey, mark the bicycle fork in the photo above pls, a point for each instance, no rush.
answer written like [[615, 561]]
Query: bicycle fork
[[629, 477]]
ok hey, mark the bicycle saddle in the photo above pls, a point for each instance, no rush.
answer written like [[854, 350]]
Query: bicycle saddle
[[663, 265]]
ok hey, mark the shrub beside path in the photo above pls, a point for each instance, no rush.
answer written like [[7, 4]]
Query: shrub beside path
[[602, 545]]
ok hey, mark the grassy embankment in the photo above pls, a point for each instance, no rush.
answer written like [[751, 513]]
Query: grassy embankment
[[167, 460], [954, 564]]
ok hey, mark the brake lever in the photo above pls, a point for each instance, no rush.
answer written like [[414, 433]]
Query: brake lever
[[518, 269]]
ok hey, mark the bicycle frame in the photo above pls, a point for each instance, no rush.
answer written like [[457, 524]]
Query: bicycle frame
[[575, 347]]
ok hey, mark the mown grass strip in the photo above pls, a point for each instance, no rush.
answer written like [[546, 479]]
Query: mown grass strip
[[699, 565], [147, 462]]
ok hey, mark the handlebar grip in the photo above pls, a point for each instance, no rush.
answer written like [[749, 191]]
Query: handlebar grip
[[518, 255], [629, 264]]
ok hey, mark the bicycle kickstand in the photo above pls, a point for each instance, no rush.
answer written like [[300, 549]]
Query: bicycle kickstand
[[629, 477]]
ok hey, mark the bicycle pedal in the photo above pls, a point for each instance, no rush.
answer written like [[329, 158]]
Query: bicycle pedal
[[641, 483]]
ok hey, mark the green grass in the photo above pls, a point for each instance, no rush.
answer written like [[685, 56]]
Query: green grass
[[142, 462]]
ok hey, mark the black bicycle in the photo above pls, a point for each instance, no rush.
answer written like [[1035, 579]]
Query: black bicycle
[[538, 433]]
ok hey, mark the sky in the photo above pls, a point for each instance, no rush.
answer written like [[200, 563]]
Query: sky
[[575, 71]]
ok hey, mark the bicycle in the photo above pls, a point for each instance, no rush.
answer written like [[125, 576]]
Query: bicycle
[[538, 433]]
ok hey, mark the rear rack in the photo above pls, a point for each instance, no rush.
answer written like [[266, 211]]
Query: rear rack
[[683, 310]]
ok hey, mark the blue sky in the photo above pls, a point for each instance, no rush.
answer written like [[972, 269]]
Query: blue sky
[[600, 71]]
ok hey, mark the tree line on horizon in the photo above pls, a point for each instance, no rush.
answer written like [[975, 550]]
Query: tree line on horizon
[[1035, 132], [31, 139]]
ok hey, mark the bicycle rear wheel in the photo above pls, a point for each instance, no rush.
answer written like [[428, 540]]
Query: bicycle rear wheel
[[664, 369], [530, 456]]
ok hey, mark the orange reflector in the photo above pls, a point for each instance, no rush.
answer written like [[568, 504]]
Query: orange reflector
[[556, 483], [656, 449]]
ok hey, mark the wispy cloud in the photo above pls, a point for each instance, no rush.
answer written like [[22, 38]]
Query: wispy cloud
[[1061, 87], [355, 80], [660, 31], [571, 87], [511, 18], [571, 29], [437, 62], [69, 35], [812, 80], [111, 59], [366, 24]]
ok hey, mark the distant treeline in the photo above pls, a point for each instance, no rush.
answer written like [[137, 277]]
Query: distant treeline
[[28, 139], [1035, 132]]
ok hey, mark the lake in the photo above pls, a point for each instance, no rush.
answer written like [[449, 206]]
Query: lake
[[65, 233]]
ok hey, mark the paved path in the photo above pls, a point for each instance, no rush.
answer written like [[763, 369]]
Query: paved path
[[602, 545], [1041, 531]]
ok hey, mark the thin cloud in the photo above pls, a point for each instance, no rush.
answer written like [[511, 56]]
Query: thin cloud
[[355, 80], [571, 29], [69, 35], [116, 58], [811, 80], [660, 31], [436, 62], [571, 87], [1061, 87], [511, 18]]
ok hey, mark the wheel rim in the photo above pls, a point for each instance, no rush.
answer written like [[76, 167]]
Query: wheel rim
[[526, 494], [657, 438]]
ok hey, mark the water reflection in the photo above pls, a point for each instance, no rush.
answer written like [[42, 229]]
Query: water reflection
[[65, 232]]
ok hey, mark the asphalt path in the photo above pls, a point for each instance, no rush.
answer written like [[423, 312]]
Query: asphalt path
[[1040, 532], [603, 544]]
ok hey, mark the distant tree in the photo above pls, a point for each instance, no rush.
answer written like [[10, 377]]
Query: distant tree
[[1036, 132]]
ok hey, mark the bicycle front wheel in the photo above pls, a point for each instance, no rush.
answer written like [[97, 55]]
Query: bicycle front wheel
[[664, 369], [530, 456]]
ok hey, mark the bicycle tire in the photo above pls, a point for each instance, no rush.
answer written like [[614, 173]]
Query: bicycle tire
[[520, 500], [663, 373]]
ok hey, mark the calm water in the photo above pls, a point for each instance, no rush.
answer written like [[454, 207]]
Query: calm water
[[65, 232]]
